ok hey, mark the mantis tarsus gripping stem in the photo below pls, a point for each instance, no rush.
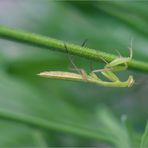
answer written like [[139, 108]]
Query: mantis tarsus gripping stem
[[84, 42]]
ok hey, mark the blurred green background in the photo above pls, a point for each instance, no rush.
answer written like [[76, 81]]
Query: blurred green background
[[75, 114]]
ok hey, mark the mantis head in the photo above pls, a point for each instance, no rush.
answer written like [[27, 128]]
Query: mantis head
[[131, 81]]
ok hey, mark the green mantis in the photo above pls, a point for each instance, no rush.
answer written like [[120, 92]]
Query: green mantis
[[108, 72]]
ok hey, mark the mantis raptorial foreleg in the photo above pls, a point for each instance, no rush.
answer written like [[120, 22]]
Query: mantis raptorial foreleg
[[115, 65]]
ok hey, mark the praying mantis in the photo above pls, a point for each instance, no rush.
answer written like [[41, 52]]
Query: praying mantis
[[108, 72]]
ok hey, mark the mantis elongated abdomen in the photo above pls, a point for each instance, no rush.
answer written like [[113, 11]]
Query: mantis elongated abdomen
[[90, 79]]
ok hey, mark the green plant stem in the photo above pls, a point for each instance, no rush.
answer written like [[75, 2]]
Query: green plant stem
[[53, 44], [43, 124]]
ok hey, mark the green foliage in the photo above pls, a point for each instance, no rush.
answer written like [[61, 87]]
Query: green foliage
[[144, 140], [38, 112]]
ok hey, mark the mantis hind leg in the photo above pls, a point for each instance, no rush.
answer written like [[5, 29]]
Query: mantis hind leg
[[70, 57], [81, 72]]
